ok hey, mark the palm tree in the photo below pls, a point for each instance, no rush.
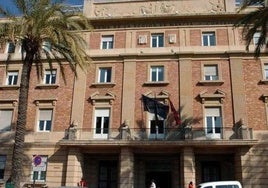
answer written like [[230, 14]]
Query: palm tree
[[256, 21], [41, 23]]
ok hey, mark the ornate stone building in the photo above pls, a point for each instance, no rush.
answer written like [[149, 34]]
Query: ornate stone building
[[94, 126]]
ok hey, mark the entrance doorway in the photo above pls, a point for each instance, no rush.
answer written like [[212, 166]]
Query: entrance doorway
[[162, 179]]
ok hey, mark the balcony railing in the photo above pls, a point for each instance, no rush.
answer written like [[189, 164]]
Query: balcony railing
[[126, 133]]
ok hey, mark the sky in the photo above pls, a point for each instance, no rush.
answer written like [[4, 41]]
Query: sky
[[8, 3]]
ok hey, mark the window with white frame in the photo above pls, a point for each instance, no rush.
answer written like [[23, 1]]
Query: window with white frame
[[12, 78], [211, 72], [105, 74], [157, 40], [157, 128], [102, 121], [5, 119], [3, 159], [156, 73], [256, 38], [107, 42], [213, 122], [10, 47], [39, 172], [265, 71], [50, 76], [45, 119], [208, 39]]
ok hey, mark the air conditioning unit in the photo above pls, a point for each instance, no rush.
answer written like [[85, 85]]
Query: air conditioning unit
[[142, 39], [172, 38]]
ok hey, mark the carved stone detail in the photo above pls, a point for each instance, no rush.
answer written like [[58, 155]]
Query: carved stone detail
[[157, 8]]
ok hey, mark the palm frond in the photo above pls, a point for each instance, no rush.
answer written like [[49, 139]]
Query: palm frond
[[254, 22]]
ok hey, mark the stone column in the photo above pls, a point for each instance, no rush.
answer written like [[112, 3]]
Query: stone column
[[187, 166], [126, 168], [74, 167]]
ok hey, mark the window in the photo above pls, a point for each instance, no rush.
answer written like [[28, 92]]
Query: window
[[12, 78], [102, 121], [5, 119], [266, 71], [156, 127], [10, 47], [256, 38], [107, 42], [105, 74], [208, 39], [3, 159], [45, 120], [157, 40], [157, 73], [238, 2], [39, 172], [46, 46], [211, 72], [213, 122], [50, 76]]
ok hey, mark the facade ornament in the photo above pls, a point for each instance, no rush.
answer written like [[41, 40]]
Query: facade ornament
[[165, 8], [146, 10]]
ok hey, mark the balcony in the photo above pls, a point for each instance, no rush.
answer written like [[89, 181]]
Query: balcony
[[158, 134]]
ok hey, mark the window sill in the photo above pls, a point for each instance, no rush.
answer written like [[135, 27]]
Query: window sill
[[264, 82], [211, 82], [156, 83], [9, 87], [107, 84], [47, 86]]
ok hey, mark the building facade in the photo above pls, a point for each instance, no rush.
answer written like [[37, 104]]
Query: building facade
[[93, 126]]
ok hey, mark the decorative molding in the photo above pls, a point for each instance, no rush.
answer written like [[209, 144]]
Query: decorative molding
[[142, 39], [45, 101], [218, 95], [172, 38], [109, 97], [265, 98], [14, 102], [163, 95], [161, 7]]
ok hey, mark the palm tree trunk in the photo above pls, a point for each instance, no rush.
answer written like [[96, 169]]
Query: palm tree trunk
[[18, 150]]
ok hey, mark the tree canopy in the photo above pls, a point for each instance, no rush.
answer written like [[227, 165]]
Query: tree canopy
[[255, 20], [47, 33]]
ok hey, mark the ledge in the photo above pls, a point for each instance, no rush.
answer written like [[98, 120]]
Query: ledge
[[156, 83], [9, 87], [107, 84], [47, 86], [211, 82], [264, 82]]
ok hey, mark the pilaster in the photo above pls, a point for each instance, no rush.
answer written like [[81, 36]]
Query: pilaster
[[238, 90], [79, 91], [186, 93], [128, 96]]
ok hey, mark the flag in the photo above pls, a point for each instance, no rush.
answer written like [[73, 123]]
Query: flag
[[175, 113], [153, 106]]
